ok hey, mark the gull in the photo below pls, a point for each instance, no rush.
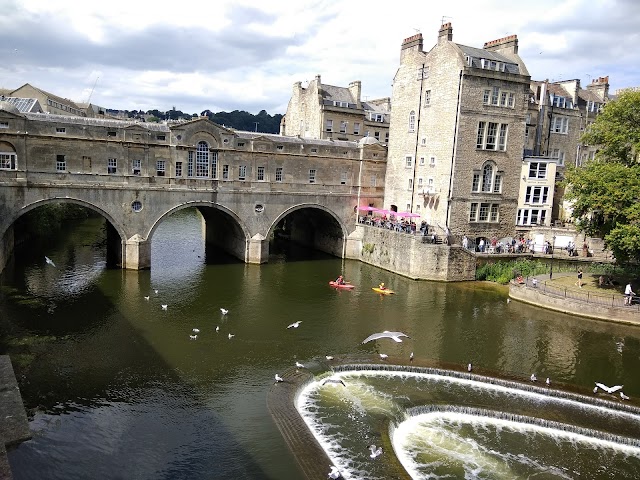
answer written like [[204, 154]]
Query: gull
[[49, 261], [595, 389], [328, 357], [508, 300], [224, 311], [411, 357], [383, 356], [395, 336], [155, 291], [164, 307], [334, 473], [623, 396], [231, 335], [193, 337], [533, 377], [147, 297], [609, 389], [375, 452], [548, 381], [196, 330], [295, 324], [278, 378], [334, 380], [217, 328], [469, 367], [299, 365]]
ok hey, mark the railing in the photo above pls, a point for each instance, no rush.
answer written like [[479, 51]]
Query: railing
[[583, 295]]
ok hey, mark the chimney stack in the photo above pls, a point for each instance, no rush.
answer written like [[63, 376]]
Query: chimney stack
[[503, 45], [445, 33], [600, 86]]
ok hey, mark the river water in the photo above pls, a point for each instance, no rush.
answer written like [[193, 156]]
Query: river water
[[115, 388]]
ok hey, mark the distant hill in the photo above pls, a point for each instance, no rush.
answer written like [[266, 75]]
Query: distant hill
[[238, 119]]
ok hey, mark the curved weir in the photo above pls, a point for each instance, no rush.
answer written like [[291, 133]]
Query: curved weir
[[437, 423]]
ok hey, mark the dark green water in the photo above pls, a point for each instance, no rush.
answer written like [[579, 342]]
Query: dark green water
[[115, 388]]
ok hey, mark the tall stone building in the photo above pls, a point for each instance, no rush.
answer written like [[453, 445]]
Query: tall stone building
[[328, 112], [457, 135]]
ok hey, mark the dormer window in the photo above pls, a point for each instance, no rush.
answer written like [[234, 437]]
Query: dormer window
[[280, 147], [241, 144], [340, 104], [161, 137], [61, 130]]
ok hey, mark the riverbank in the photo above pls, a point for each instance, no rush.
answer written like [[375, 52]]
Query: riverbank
[[14, 426]]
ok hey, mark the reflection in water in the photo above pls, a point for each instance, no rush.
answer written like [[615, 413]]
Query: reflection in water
[[115, 388]]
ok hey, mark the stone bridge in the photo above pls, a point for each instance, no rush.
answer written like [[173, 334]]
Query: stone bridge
[[244, 184]]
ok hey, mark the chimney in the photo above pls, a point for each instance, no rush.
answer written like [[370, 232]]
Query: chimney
[[413, 41], [503, 45], [355, 89], [600, 86], [445, 33]]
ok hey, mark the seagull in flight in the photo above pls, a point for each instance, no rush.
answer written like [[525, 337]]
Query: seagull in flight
[[375, 452], [217, 328], [196, 330], [231, 335], [49, 261], [155, 291], [334, 380], [608, 389], [295, 324], [334, 473], [193, 337], [147, 297], [395, 336], [164, 307], [224, 311], [278, 378], [383, 356]]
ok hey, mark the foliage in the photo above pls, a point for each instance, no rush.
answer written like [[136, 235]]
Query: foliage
[[50, 218], [368, 248], [606, 192], [241, 120]]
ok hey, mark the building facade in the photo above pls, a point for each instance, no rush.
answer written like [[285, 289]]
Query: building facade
[[457, 135], [328, 112]]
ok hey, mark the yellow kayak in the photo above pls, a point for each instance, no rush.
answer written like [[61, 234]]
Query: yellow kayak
[[381, 291]]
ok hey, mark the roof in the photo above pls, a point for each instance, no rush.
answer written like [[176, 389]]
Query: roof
[[100, 122], [274, 137], [58, 99], [24, 105], [339, 94], [478, 53]]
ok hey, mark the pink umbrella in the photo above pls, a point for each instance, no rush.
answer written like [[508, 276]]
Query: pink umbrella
[[367, 208], [381, 211], [407, 214]]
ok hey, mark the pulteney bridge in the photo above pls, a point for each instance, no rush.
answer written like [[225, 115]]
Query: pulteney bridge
[[137, 174]]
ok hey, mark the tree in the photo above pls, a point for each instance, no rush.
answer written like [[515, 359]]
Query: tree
[[606, 191]]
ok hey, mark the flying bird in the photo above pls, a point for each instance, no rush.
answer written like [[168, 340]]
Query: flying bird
[[623, 396], [164, 307], [295, 324], [334, 473], [224, 311], [375, 452], [217, 328], [278, 378], [334, 380], [147, 297], [49, 261], [395, 336], [196, 330], [383, 356], [193, 337], [231, 335], [155, 291], [609, 389]]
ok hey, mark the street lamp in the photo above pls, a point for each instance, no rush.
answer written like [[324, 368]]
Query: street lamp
[[553, 247]]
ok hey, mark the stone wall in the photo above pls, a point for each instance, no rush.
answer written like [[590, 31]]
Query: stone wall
[[407, 255]]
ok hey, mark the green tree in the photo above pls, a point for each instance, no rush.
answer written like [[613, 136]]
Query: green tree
[[606, 191]]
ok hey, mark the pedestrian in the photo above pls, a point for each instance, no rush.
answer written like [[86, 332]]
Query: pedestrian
[[579, 282], [628, 294]]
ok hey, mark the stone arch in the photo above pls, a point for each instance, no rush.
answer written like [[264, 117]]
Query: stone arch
[[338, 221]]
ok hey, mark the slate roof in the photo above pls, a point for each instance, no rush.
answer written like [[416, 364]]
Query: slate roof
[[478, 53], [24, 105], [338, 94], [100, 122], [276, 138]]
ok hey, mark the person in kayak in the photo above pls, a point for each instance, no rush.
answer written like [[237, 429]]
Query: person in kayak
[[340, 280], [382, 287]]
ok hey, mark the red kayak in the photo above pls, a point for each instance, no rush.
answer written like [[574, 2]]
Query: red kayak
[[346, 286]]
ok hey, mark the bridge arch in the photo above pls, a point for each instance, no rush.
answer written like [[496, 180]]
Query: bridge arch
[[323, 230]]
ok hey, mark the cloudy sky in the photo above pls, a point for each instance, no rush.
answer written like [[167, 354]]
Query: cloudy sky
[[225, 55]]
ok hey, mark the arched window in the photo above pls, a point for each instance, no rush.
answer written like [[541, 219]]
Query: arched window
[[412, 121], [487, 177], [488, 180], [202, 159]]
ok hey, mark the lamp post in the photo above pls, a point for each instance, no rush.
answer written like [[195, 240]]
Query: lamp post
[[553, 247]]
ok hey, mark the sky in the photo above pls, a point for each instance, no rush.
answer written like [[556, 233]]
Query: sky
[[226, 55]]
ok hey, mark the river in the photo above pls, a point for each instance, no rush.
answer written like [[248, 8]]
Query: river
[[116, 388]]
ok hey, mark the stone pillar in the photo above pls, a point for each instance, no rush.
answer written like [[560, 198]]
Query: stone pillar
[[258, 251], [353, 247], [137, 255]]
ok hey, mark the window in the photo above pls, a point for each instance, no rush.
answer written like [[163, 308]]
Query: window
[[419, 183], [417, 208], [489, 180], [356, 128], [329, 126], [427, 98], [202, 160], [374, 180], [343, 127], [7, 161], [487, 177], [421, 160], [178, 169], [536, 195], [278, 174], [512, 100], [61, 163], [558, 155], [314, 150], [386, 137], [343, 178], [61, 130], [430, 185], [410, 186], [495, 95], [484, 212], [4, 124], [261, 174], [112, 165], [560, 102], [537, 170], [412, 121], [376, 135], [423, 72], [486, 96], [136, 166], [111, 133], [503, 99], [214, 165], [492, 136], [409, 161], [161, 136], [497, 183], [160, 168], [528, 216], [560, 124], [225, 172], [242, 172], [240, 144], [312, 175], [526, 133], [432, 161], [190, 165], [423, 142]]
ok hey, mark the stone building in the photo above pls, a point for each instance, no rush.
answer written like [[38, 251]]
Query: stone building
[[329, 112], [457, 135], [558, 114]]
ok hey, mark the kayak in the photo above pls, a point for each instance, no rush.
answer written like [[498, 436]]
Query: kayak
[[346, 286], [386, 291]]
